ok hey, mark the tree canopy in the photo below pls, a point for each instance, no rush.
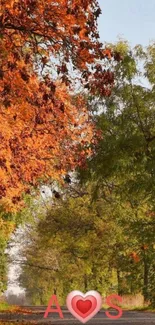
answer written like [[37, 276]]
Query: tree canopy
[[48, 49], [104, 238]]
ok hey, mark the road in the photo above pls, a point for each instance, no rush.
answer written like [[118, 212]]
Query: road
[[129, 317], [135, 318]]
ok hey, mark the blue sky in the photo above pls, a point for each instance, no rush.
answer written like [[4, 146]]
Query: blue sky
[[133, 20]]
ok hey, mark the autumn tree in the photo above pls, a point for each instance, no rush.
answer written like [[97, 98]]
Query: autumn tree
[[47, 49]]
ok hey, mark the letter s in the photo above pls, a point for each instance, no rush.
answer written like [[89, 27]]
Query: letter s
[[109, 303]]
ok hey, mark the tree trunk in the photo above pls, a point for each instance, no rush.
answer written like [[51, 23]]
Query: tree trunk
[[118, 283], [85, 282], [145, 279]]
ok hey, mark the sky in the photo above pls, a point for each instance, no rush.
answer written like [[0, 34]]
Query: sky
[[133, 20]]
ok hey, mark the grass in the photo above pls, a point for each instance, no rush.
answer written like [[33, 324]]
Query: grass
[[131, 302], [4, 306], [143, 308]]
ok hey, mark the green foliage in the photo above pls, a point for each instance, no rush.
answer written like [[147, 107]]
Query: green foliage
[[69, 243], [124, 165], [104, 240], [6, 228], [83, 245]]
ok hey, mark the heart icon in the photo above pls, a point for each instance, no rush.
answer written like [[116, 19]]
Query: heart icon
[[84, 306]]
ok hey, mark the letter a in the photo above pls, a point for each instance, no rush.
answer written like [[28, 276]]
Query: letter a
[[57, 310]]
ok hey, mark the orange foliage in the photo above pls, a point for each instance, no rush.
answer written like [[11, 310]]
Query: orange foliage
[[42, 128], [144, 247], [17, 310], [135, 257]]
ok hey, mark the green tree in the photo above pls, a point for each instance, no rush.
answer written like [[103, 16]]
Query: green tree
[[72, 248], [123, 167], [7, 226]]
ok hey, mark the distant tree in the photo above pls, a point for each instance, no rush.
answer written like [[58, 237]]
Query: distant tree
[[7, 225]]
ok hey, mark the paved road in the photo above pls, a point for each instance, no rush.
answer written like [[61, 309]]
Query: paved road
[[132, 317]]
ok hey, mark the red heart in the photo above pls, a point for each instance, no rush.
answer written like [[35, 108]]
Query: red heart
[[84, 306]]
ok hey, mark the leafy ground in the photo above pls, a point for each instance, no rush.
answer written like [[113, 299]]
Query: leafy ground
[[129, 317]]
